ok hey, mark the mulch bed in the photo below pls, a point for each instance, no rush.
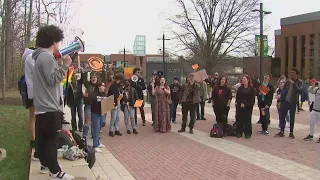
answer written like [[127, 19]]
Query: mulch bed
[[11, 101]]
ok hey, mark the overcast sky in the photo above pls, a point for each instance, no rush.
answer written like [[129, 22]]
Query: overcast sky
[[109, 25]]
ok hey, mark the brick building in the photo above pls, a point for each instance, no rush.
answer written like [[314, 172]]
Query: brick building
[[297, 44]]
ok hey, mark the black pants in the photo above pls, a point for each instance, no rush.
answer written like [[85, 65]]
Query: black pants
[[47, 126], [264, 119], [244, 121], [200, 108], [152, 102], [186, 107], [142, 114], [222, 115]]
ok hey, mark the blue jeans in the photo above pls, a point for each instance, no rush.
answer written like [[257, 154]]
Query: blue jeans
[[115, 117], [129, 114], [173, 110], [74, 109], [286, 107], [96, 120]]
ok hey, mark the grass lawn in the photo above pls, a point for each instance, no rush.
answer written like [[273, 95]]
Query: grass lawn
[[14, 137]]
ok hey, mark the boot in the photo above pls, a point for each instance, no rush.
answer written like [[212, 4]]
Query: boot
[[182, 130], [191, 131]]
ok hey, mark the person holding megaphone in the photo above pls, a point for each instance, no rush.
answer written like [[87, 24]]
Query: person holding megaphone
[[48, 97]]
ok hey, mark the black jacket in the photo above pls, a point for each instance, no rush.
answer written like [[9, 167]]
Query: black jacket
[[74, 98], [114, 89], [220, 96], [245, 96], [267, 100], [89, 86], [139, 86], [130, 99]]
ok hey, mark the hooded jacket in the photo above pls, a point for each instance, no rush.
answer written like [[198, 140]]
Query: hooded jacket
[[28, 70], [47, 78]]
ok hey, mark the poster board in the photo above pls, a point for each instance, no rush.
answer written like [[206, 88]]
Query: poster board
[[107, 104], [128, 72], [200, 75]]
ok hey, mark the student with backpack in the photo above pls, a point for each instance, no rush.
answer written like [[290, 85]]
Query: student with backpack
[[26, 91], [221, 99]]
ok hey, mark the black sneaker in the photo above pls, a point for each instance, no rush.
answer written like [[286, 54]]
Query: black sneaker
[[44, 170], [118, 133], [238, 135], [318, 140], [308, 138], [103, 124], [111, 133], [135, 131], [181, 130], [247, 136], [209, 101], [35, 156], [128, 132], [203, 118], [291, 136], [33, 144], [280, 134], [259, 122]]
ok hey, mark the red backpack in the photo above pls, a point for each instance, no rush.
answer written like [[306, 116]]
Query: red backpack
[[216, 131]]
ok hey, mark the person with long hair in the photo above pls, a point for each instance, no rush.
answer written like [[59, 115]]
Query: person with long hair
[[127, 106], [265, 96], [221, 99], [97, 117], [162, 110], [245, 99]]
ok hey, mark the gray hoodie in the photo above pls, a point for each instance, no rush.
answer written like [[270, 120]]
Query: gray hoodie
[[47, 78]]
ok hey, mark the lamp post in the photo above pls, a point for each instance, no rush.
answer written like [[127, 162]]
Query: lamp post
[[163, 53], [262, 12], [124, 56]]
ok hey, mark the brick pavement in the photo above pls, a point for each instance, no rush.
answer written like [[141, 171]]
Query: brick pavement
[[297, 150], [150, 155]]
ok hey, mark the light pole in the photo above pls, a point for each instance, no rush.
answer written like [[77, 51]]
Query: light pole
[[163, 53], [262, 12], [124, 56]]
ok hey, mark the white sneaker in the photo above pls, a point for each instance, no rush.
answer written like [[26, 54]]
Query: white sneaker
[[44, 170], [61, 176], [97, 150], [102, 146]]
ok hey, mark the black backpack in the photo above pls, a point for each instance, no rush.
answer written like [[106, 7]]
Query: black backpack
[[91, 154], [80, 141], [230, 131], [63, 139]]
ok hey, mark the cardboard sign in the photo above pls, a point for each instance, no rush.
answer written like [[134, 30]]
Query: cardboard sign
[[107, 104], [195, 66], [96, 63], [264, 90], [138, 103], [128, 72], [200, 75]]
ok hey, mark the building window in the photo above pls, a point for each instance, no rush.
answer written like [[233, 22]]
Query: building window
[[276, 67], [294, 60], [303, 55], [286, 56], [311, 68]]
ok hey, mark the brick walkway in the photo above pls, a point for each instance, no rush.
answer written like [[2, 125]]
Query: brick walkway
[[151, 155]]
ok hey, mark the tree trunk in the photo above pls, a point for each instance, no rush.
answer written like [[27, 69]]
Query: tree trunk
[[28, 34], [8, 39]]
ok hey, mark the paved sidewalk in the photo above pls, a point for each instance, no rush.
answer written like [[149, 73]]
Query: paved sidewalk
[[151, 155]]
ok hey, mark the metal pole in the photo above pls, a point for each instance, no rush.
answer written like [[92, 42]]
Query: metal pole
[[163, 56], [124, 57], [261, 41]]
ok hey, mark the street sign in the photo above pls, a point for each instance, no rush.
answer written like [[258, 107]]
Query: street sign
[[265, 45]]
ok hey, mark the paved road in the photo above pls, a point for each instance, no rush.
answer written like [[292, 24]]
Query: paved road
[[150, 155]]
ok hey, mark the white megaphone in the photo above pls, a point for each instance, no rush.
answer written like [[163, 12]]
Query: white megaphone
[[76, 46], [134, 78]]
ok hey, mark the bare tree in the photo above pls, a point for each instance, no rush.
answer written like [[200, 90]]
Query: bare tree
[[210, 29]]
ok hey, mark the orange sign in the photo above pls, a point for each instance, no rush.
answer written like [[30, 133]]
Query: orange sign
[[96, 63], [264, 90], [128, 72], [195, 66]]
